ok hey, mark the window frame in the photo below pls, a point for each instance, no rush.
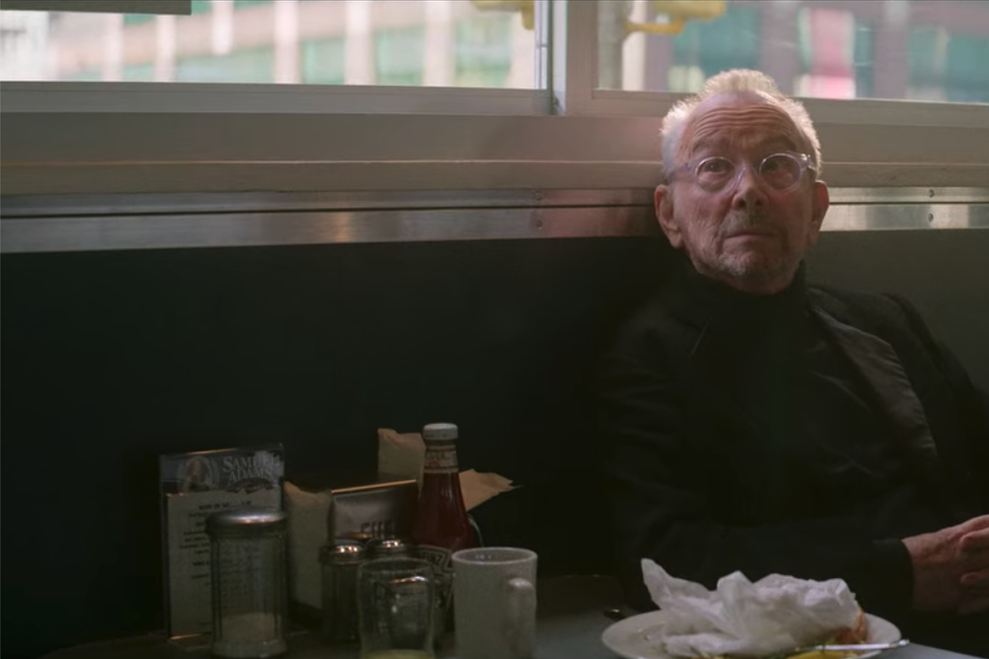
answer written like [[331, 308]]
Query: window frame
[[263, 98]]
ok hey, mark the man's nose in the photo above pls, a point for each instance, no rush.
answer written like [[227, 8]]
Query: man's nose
[[749, 193]]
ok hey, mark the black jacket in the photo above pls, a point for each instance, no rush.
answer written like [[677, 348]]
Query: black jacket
[[703, 473]]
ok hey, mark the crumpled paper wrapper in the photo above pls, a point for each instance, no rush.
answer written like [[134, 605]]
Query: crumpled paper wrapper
[[774, 614], [400, 456]]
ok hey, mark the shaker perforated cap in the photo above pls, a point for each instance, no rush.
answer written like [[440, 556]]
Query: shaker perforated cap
[[246, 520], [439, 431], [341, 550]]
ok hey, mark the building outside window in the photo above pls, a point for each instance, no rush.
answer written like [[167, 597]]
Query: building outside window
[[948, 67], [412, 42], [255, 65], [887, 49], [705, 48], [323, 61], [399, 56], [483, 51]]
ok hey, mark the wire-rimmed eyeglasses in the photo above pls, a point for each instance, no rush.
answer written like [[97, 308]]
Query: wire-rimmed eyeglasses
[[780, 171]]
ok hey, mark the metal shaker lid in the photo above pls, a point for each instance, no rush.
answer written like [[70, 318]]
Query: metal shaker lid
[[381, 547], [341, 550], [439, 431], [246, 520]]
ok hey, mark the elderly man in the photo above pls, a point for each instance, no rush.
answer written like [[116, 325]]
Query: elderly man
[[752, 422]]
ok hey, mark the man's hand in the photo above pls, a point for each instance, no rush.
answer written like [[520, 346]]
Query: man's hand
[[975, 584], [951, 567]]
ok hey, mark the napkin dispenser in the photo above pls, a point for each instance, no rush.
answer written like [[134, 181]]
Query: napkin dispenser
[[378, 510]]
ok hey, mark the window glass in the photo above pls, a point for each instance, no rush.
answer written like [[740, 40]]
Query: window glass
[[255, 65], [353, 42], [137, 19], [400, 56], [893, 49], [703, 49], [139, 73], [323, 61], [483, 51]]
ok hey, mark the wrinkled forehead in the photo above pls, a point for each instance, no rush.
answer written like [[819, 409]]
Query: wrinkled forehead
[[738, 122]]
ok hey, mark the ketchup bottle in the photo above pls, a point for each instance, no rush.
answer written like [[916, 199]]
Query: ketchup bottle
[[441, 522]]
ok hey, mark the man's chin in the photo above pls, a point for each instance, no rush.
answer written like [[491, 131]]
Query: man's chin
[[758, 269], [755, 266]]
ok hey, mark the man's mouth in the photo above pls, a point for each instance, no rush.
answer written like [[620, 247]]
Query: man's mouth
[[753, 233]]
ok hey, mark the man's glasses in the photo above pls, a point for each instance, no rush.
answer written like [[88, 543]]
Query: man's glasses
[[779, 171]]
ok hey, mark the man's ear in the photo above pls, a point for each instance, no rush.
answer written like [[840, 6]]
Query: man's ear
[[663, 202], [819, 208]]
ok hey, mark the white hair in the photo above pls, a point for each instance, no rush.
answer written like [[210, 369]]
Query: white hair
[[736, 81]]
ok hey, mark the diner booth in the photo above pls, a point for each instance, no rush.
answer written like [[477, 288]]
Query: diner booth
[[188, 279]]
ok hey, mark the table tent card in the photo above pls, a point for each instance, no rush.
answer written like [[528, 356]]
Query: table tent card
[[194, 486]]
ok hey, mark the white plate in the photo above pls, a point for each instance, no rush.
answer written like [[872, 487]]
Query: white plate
[[628, 638]]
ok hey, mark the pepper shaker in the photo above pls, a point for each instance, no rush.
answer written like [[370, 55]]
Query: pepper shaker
[[388, 548], [340, 560]]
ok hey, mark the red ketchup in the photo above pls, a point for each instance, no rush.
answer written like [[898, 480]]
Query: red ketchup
[[441, 523]]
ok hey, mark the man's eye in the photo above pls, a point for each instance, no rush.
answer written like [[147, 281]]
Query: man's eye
[[715, 166]]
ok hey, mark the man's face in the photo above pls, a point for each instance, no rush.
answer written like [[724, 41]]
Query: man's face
[[748, 235]]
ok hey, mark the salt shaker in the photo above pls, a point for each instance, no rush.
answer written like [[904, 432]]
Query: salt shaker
[[340, 560], [248, 568]]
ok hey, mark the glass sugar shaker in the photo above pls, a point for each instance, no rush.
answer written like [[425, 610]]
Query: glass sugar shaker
[[249, 582], [340, 560]]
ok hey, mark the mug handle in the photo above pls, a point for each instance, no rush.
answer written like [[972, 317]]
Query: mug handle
[[522, 617]]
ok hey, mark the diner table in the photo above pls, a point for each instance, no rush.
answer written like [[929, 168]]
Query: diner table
[[573, 612]]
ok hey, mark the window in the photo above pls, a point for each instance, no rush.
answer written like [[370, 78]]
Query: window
[[484, 51], [828, 41], [908, 49], [139, 73], [399, 56], [323, 61], [947, 66], [138, 19], [256, 65], [353, 42], [703, 49], [345, 115]]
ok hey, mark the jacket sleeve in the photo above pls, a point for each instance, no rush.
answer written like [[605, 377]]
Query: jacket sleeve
[[973, 402], [663, 509]]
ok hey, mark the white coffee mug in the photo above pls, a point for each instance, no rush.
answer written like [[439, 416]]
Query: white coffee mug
[[494, 601]]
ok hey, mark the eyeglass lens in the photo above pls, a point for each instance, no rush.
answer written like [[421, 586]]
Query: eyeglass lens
[[779, 171]]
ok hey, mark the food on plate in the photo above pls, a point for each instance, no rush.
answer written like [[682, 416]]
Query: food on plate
[[857, 633]]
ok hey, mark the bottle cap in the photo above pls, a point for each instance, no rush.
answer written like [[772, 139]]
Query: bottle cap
[[439, 431]]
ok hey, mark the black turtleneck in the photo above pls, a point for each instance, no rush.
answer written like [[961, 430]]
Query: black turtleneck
[[824, 416]]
